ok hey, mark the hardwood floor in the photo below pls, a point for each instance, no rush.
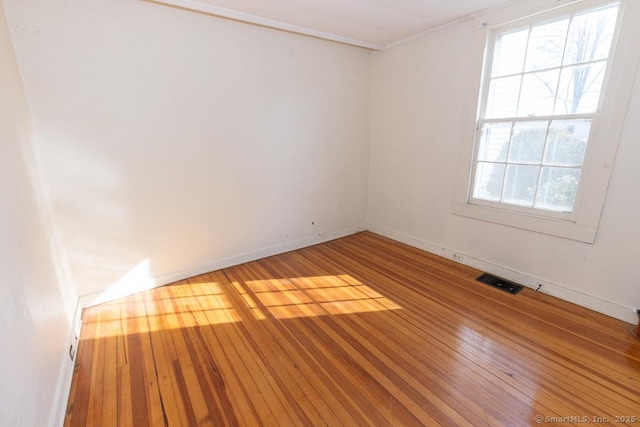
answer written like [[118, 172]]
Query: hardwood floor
[[358, 331]]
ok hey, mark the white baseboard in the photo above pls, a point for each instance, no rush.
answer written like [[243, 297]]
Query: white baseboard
[[591, 302], [66, 371], [99, 298]]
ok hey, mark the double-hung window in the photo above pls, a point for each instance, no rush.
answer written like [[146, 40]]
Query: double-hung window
[[539, 109], [541, 95]]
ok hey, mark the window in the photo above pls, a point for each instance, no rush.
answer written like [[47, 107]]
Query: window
[[543, 87], [551, 106]]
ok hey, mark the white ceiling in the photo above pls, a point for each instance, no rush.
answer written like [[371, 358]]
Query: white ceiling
[[374, 24]]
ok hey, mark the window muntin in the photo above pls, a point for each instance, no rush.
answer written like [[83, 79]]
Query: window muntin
[[541, 100]]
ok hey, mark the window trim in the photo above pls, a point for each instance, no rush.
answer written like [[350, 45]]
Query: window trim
[[582, 223]]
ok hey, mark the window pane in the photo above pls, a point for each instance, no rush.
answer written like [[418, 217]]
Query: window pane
[[520, 184], [557, 189], [489, 178], [528, 142], [494, 142], [538, 93], [590, 35], [579, 89], [508, 55], [503, 97], [546, 45], [567, 142]]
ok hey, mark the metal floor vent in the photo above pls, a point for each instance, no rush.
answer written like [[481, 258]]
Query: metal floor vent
[[500, 283]]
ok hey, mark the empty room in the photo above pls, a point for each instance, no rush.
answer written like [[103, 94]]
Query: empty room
[[319, 212]]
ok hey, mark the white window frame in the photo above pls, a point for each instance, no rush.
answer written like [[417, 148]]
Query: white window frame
[[582, 223]]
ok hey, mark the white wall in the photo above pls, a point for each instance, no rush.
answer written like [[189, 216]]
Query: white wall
[[419, 112], [35, 311], [173, 141]]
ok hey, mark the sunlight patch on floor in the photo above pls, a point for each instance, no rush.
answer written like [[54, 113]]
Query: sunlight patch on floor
[[315, 296], [192, 304]]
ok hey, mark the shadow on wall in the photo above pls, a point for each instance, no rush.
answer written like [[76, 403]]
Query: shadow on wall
[[89, 189], [42, 196]]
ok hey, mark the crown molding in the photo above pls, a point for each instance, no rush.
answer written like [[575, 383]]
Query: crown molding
[[221, 12]]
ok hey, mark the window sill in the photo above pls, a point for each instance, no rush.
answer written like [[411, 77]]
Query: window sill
[[554, 227]]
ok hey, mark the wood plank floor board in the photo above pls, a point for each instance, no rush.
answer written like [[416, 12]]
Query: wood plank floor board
[[123, 383], [98, 378], [80, 386], [358, 331], [188, 367], [110, 390], [163, 354]]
